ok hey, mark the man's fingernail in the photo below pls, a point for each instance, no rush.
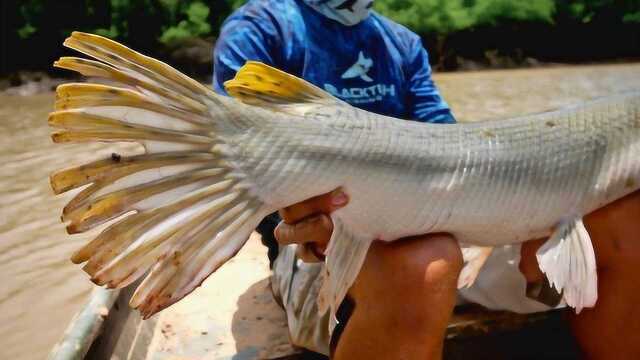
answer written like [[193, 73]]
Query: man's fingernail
[[339, 198]]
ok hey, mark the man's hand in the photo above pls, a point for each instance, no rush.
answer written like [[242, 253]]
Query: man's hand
[[307, 224]]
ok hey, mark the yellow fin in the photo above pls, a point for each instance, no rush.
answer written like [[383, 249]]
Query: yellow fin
[[260, 84], [118, 55]]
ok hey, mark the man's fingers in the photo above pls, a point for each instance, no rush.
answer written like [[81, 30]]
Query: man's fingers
[[308, 225], [325, 204], [310, 253], [316, 229], [538, 287], [529, 266]]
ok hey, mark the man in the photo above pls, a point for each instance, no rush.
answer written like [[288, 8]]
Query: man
[[404, 295]]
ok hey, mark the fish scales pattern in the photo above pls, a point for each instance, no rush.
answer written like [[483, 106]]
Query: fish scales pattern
[[521, 175]]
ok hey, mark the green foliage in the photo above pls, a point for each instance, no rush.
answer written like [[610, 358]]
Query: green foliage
[[632, 18], [26, 31], [494, 12], [553, 29], [179, 19], [588, 11], [195, 24], [423, 16], [182, 19], [448, 16], [236, 3], [31, 12]]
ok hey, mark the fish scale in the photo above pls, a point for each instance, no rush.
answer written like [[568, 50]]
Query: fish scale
[[549, 156], [283, 140], [545, 166], [522, 177]]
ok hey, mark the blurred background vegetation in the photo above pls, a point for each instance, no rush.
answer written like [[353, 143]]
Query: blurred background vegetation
[[458, 33]]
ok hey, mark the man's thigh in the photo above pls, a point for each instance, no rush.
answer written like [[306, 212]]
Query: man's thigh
[[501, 285], [612, 328], [390, 268], [615, 233]]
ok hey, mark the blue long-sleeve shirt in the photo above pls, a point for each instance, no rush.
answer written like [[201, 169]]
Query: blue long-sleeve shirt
[[376, 65]]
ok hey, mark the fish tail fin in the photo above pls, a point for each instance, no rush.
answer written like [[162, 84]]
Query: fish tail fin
[[182, 208]]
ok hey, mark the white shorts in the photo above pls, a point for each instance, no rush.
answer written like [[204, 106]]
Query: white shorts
[[499, 286]]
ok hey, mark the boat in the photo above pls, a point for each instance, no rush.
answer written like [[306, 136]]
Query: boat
[[234, 316]]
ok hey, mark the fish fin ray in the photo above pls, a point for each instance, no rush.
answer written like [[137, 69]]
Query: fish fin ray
[[204, 253], [117, 170], [260, 84], [136, 64], [474, 259], [117, 247], [149, 88], [345, 256], [97, 210], [569, 262], [156, 213]]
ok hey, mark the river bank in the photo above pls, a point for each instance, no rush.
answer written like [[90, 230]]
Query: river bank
[[29, 83]]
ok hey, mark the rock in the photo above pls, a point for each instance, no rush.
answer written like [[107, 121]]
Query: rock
[[26, 83], [4, 84]]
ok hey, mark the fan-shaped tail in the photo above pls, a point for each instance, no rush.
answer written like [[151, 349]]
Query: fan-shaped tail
[[181, 208]]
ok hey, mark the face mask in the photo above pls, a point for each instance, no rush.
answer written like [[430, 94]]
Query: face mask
[[347, 12]]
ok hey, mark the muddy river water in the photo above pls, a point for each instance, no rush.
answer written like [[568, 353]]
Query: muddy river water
[[40, 289]]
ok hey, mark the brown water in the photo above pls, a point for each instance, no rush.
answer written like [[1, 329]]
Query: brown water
[[40, 289]]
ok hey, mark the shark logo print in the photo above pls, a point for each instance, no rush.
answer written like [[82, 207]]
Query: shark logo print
[[367, 94], [359, 69]]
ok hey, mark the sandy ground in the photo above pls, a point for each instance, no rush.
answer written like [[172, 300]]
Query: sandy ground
[[232, 316]]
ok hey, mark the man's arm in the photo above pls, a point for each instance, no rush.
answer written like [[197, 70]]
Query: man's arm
[[424, 102]]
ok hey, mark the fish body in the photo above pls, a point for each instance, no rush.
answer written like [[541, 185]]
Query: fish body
[[491, 183], [215, 166]]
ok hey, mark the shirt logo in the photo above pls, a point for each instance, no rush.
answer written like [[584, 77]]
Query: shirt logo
[[359, 69], [370, 93]]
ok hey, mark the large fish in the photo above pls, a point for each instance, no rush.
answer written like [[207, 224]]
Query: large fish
[[215, 166]]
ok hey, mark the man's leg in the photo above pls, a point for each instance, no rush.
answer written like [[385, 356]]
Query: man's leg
[[404, 297], [610, 330]]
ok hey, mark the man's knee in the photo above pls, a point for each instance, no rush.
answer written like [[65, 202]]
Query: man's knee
[[405, 294], [413, 271]]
